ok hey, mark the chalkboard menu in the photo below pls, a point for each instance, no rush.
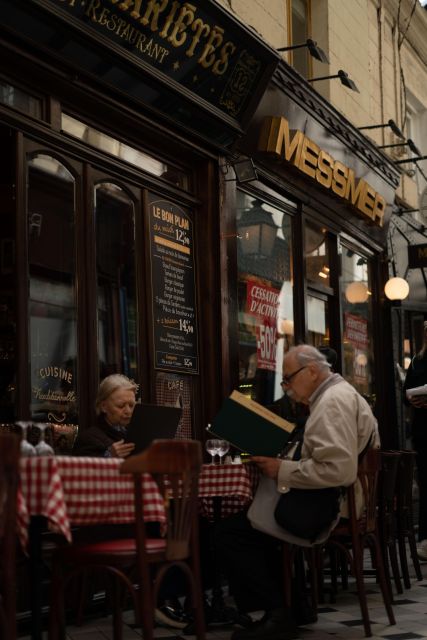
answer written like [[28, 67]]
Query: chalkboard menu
[[173, 287]]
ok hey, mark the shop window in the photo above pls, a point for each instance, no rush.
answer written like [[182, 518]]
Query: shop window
[[123, 151], [12, 96], [265, 296], [52, 290], [317, 321], [116, 281], [316, 255], [299, 31], [356, 304]]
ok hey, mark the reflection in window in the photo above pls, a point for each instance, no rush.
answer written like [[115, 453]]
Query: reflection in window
[[52, 279], [316, 255], [356, 302], [121, 150], [265, 296], [11, 96], [317, 321], [116, 281]]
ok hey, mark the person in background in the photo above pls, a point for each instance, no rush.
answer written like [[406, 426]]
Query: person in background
[[339, 427], [114, 407], [415, 377]]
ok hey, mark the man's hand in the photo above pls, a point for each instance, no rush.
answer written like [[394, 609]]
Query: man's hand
[[419, 402], [121, 449], [268, 466]]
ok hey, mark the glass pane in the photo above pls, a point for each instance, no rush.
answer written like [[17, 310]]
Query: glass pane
[[317, 320], [134, 156], [13, 97], [52, 279], [300, 35], [316, 255], [265, 297], [116, 281], [356, 301]]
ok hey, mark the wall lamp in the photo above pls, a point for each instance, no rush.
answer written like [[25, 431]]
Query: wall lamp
[[391, 123], [343, 76], [410, 160], [409, 143], [313, 49], [244, 169]]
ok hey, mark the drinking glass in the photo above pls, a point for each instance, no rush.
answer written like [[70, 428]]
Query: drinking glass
[[27, 448], [223, 448], [212, 448], [42, 447]]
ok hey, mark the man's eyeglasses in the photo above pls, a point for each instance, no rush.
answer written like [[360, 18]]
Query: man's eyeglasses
[[286, 380]]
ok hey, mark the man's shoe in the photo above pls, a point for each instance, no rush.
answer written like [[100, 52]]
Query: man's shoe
[[275, 625], [422, 550], [171, 614]]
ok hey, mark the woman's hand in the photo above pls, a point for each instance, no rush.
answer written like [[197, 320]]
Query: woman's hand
[[268, 466], [121, 449]]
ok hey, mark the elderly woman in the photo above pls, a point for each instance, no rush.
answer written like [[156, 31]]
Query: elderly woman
[[114, 406]]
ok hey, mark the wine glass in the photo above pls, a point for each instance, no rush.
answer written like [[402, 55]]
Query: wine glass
[[212, 448], [27, 448], [42, 447], [222, 448]]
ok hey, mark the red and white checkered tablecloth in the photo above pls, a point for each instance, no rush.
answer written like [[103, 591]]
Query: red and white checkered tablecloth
[[235, 484], [80, 491]]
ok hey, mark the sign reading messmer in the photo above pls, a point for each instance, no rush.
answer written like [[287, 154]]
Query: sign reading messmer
[[173, 287]]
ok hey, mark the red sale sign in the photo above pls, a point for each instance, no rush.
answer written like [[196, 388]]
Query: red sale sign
[[262, 302]]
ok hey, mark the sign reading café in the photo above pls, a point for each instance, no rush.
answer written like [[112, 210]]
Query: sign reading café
[[294, 147]]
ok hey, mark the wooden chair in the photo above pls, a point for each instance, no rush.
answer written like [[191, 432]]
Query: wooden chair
[[175, 465], [387, 515], [353, 535], [404, 515], [9, 470]]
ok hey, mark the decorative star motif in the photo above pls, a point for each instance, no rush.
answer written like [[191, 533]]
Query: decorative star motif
[[176, 65], [195, 77]]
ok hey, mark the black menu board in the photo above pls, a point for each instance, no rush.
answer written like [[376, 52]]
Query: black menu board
[[173, 287]]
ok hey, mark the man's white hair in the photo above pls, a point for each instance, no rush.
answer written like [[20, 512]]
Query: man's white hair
[[306, 353]]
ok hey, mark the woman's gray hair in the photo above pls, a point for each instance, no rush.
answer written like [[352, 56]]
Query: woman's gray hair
[[109, 385], [305, 353]]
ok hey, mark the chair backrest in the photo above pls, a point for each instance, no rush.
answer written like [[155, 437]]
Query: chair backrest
[[405, 478], [175, 465], [367, 474], [9, 470], [387, 479]]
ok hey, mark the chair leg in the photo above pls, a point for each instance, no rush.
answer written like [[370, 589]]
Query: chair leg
[[403, 559], [57, 608], [394, 566], [385, 588], [413, 549]]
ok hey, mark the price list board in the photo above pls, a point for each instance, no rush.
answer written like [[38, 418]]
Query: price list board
[[173, 287]]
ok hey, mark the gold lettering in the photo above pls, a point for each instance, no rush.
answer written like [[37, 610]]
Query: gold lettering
[[379, 209], [221, 64], [171, 17], [126, 4], [208, 54], [353, 192], [275, 136], [309, 158], [103, 18], [91, 10], [185, 18], [339, 181], [200, 28], [324, 169]]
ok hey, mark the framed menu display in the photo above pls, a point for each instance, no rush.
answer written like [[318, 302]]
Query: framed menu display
[[174, 312]]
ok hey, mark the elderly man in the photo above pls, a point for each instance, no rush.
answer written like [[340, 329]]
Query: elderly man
[[340, 426]]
